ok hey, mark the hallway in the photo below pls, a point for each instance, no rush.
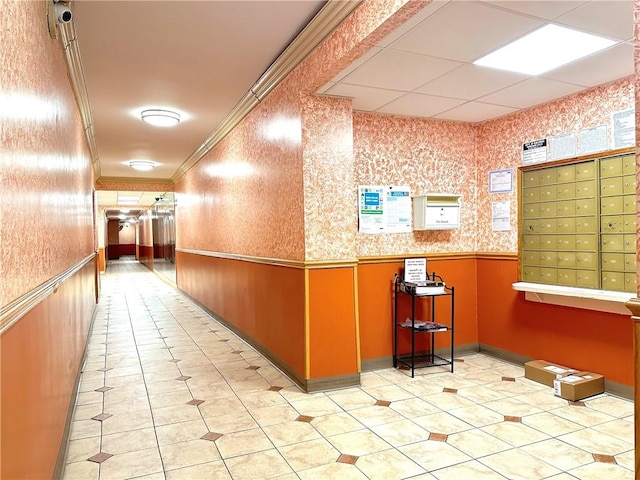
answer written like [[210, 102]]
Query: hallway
[[168, 392]]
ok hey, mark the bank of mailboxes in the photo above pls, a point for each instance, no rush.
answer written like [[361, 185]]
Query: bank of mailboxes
[[436, 211], [569, 213]]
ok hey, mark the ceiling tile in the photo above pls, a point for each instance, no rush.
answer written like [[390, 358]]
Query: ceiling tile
[[417, 105], [470, 81], [475, 112], [612, 64], [356, 63], [427, 11], [464, 31], [543, 8], [365, 98], [397, 70], [531, 92], [609, 18]]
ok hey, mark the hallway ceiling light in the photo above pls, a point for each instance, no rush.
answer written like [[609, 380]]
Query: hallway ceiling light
[[160, 118], [544, 49], [142, 165]]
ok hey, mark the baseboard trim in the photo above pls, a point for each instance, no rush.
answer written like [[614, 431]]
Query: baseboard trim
[[381, 363], [58, 471], [332, 383]]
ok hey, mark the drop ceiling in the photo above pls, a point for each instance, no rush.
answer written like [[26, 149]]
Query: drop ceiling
[[202, 57]]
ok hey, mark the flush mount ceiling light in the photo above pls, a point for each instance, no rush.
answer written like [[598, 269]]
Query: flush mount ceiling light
[[160, 118], [142, 165], [544, 49]]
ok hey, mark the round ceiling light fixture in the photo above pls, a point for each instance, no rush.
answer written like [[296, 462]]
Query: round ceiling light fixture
[[142, 165], [160, 118]]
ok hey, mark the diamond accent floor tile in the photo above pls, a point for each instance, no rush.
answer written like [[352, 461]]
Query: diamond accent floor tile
[[183, 378], [603, 458], [103, 389], [349, 459], [100, 457], [450, 390], [508, 379], [438, 437], [211, 436], [102, 417], [253, 367], [509, 418], [274, 388], [304, 418], [383, 403], [195, 402]]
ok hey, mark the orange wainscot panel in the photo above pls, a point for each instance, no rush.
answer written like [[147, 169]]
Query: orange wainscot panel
[[583, 339], [332, 323]]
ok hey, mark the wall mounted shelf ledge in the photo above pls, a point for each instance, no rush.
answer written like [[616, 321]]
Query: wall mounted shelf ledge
[[585, 298]]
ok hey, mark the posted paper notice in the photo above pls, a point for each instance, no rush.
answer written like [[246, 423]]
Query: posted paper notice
[[501, 216]]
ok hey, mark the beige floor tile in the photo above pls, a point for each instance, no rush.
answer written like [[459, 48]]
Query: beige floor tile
[[167, 374], [598, 443], [477, 415], [175, 414], [187, 454], [601, 471], [290, 433], [316, 406], [130, 441], [277, 414], [558, 454], [543, 399], [131, 404], [432, 455], [261, 399], [401, 433], [390, 393], [125, 381], [125, 422], [481, 376], [584, 416], [213, 470], [351, 398], [375, 415], [166, 386], [480, 394], [514, 433], [372, 379], [267, 464], [414, 407], [232, 422], [81, 449], [448, 401], [309, 454], [619, 428], [131, 465], [477, 443], [84, 429], [123, 371], [388, 465], [512, 407], [181, 432], [516, 465], [442, 422], [468, 470], [86, 412], [626, 459], [222, 406], [616, 407], [336, 424], [361, 442], [243, 443], [170, 399], [551, 424], [421, 387], [81, 471], [333, 471]]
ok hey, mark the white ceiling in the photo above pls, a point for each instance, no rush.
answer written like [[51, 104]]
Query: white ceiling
[[425, 67], [202, 57]]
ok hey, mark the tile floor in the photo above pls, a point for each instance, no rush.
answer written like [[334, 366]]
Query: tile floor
[[169, 393]]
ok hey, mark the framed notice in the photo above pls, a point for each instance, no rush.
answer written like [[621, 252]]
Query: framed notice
[[624, 128], [501, 181]]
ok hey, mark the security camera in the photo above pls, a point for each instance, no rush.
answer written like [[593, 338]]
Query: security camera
[[63, 13], [158, 199]]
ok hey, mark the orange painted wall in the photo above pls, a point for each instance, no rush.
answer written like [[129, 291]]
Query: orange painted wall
[[375, 292], [102, 265], [332, 323], [40, 360], [266, 302], [582, 339]]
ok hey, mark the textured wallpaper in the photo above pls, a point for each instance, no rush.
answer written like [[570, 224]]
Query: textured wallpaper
[[430, 156], [500, 146], [46, 211]]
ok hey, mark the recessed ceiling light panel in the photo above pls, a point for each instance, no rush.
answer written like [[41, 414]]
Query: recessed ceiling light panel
[[142, 165], [160, 118], [544, 49]]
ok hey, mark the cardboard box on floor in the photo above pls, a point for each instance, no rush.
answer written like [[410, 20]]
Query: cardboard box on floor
[[578, 385], [545, 372], [567, 383]]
